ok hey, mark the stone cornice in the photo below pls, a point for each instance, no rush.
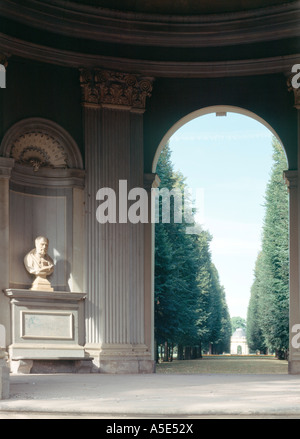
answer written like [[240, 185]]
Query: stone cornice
[[48, 178], [167, 69], [114, 89], [6, 165], [99, 24], [19, 294]]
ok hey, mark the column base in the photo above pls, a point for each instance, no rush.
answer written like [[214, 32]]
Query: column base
[[4, 378], [121, 359], [117, 366], [294, 367], [41, 284]]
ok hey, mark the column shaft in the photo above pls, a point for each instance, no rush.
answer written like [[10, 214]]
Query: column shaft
[[292, 177], [113, 128], [6, 165], [292, 180], [92, 236]]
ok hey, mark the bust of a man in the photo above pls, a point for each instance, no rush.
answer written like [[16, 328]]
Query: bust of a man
[[39, 263]]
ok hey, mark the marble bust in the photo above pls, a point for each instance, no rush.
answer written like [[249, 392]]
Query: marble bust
[[40, 264]]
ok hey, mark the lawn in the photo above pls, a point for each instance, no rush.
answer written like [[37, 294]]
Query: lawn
[[225, 364]]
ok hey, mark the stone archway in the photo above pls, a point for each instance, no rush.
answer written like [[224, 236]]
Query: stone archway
[[291, 178], [219, 56], [202, 112]]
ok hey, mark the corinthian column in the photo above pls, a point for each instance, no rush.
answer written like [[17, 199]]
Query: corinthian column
[[114, 104], [6, 165], [292, 179]]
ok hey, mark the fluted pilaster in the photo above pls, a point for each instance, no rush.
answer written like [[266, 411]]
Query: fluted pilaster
[[6, 165], [92, 235], [292, 178], [113, 113]]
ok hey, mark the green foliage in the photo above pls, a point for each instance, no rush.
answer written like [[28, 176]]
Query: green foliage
[[237, 322], [255, 338], [268, 310], [223, 344], [190, 304]]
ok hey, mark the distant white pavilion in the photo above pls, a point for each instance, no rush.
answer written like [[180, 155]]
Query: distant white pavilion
[[238, 343]]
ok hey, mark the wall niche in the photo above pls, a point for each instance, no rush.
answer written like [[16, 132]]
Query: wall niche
[[46, 198]]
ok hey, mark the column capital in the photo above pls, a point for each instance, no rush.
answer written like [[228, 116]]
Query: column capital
[[4, 59], [6, 165], [295, 88], [291, 179], [89, 88], [110, 89]]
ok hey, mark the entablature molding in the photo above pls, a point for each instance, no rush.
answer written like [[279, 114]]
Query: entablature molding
[[150, 68], [170, 30]]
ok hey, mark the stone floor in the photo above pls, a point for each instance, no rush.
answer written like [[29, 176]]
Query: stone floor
[[152, 396]]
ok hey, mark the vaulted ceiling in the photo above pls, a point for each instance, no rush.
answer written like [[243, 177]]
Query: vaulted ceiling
[[155, 37], [182, 7]]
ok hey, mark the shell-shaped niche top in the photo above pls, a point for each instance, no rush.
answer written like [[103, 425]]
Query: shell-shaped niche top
[[39, 149], [39, 143]]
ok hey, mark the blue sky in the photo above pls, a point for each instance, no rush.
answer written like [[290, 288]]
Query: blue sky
[[229, 159]]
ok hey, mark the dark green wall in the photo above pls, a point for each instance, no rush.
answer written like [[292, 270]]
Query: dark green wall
[[44, 90], [41, 90]]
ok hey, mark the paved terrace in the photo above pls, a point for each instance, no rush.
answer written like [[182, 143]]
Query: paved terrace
[[152, 396]]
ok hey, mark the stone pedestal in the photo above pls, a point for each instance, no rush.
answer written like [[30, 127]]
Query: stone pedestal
[[45, 326], [41, 284]]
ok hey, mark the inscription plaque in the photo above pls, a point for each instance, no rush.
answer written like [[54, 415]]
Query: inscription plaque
[[45, 325]]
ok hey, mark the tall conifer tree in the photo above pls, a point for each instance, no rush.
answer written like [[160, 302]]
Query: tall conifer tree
[[269, 303], [190, 304]]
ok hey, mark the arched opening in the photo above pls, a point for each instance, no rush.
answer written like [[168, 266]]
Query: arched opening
[[218, 111]]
